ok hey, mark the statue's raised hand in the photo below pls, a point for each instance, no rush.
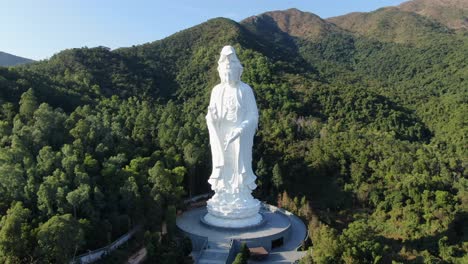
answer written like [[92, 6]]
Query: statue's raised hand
[[233, 135]]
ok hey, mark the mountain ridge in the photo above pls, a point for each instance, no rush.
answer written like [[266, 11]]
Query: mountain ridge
[[295, 22], [391, 24], [7, 59], [451, 13]]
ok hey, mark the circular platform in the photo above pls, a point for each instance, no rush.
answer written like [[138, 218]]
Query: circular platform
[[276, 228]]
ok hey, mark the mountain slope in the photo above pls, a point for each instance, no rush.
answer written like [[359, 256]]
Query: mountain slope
[[7, 59], [158, 69], [451, 13], [298, 35], [391, 25], [293, 22]]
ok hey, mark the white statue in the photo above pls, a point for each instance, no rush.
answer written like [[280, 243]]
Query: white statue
[[232, 120]]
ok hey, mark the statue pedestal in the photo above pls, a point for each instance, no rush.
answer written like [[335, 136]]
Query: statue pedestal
[[232, 211], [232, 223]]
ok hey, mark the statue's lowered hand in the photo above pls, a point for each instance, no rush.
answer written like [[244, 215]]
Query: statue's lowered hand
[[235, 133]]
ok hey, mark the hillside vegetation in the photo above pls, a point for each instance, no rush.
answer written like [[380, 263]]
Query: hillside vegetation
[[452, 13], [362, 133]]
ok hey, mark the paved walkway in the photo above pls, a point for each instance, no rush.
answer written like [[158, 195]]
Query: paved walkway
[[138, 257], [216, 253], [287, 253], [281, 257], [298, 234]]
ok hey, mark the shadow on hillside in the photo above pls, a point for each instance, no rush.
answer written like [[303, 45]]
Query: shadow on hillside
[[456, 231], [322, 184]]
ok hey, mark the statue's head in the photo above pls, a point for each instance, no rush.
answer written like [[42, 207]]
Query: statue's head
[[229, 67]]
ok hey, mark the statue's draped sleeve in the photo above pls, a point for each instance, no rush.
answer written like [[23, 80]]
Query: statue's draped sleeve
[[249, 126], [215, 141]]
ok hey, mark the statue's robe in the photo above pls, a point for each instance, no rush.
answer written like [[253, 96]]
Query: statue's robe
[[247, 120]]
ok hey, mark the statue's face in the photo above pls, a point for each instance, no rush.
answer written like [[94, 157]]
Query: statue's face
[[230, 71]]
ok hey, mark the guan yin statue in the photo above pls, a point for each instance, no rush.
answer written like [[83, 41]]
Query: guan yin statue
[[232, 120]]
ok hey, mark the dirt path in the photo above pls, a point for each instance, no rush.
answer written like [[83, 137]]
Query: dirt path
[[138, 257]]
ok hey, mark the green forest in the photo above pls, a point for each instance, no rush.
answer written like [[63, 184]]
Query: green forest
[[363, 136]]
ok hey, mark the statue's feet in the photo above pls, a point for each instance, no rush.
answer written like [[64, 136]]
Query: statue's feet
[[248, 221]]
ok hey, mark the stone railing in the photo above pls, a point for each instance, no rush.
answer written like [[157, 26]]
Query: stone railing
[[97, 254], [233, 250]]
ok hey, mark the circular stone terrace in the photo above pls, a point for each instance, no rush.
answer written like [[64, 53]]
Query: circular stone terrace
[[280, 233]]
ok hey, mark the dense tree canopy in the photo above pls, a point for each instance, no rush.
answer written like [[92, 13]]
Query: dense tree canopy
[[364, 139]]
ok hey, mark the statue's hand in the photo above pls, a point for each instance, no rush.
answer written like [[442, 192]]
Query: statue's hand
[[233, 135], [213, 113]]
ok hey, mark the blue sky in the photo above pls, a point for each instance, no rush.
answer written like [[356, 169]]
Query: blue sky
[[38, 29]]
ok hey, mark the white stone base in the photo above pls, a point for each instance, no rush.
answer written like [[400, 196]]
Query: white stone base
[[233, 223], [233, 210]]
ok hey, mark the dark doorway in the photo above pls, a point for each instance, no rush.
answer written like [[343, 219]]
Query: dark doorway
[[277, 243]]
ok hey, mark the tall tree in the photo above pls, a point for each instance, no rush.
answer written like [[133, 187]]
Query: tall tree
[[16, 238], [60, 238], [78, 197], [277, 178], [28, 104]]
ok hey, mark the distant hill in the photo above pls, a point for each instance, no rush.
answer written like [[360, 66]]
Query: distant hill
[[7, 59], [294, 23], [391, 24], [451, 13], [411, 22]]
